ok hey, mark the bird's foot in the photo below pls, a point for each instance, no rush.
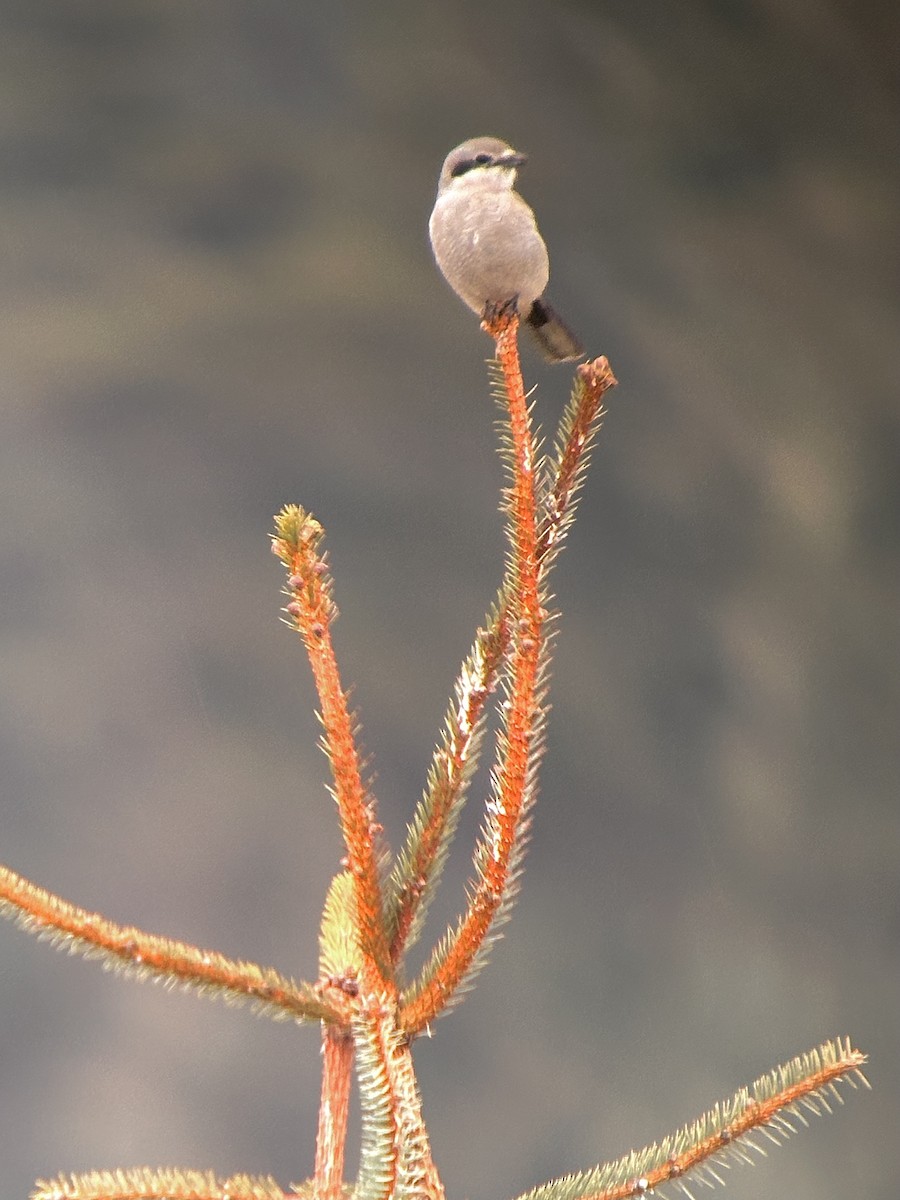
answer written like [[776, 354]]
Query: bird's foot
[[499, 315]]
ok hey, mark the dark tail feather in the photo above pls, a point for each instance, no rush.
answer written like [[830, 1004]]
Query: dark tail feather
[[556, 342]]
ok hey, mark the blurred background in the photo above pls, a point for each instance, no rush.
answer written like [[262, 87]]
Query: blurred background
[[219, 297]]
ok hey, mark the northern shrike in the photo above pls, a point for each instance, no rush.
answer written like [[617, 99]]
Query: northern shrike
[[487, 245]]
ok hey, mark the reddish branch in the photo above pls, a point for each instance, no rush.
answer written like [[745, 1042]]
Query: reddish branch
[[337, 1067], [312, 610], [453, 761], [146, 954], [455, 757], [512, 775], [771, 1109]]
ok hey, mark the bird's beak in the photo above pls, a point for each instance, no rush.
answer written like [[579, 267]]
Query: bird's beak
[[511, 160]]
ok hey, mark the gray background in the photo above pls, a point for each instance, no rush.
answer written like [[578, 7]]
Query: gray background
[[218, 297]]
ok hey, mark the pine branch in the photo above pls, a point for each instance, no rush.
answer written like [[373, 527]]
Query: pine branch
[[331, 1136], [297, 540], [339, 966], [565, 472], [577, 431], [436, 964], [420, 864], [167, 1183], [519, 743], [378, 1151], [132, 952], [771, 1108], [396, 1160]]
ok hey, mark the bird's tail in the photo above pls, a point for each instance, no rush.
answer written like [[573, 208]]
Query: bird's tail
[[556, 342]]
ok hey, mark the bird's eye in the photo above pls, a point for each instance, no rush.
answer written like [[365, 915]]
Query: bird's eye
[[467, 164]]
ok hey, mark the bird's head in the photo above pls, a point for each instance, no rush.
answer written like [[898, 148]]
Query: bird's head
[[481, 162]]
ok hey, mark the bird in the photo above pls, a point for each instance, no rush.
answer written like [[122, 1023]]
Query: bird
[[487, 244]]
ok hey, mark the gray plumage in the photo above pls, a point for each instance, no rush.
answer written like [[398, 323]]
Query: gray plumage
[[487, 244]]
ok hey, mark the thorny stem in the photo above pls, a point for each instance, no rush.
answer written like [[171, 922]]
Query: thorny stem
[[453, 760], [456, 756], [123, 947], [512, 776], [577, 431], [400, 1162], [312, 610], [770, 1110], [167, 1183], [337, 1067], [530, 615]]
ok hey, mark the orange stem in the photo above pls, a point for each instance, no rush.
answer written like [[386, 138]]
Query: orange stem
[[761, 1114], [408, 1164], [453, 759], [451, 762], [337, 1065], [311, 607], [520, 717], [148, 954]]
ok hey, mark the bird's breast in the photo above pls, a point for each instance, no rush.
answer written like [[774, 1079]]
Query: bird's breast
[[488, 247]]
